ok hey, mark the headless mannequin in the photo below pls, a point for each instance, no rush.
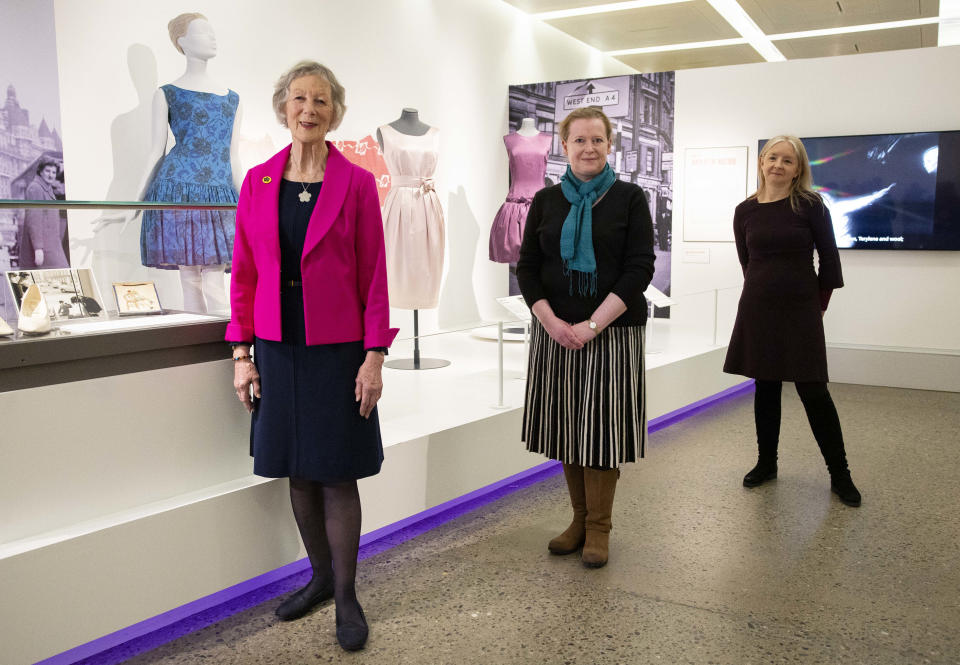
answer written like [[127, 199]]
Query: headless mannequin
[[409, 123], [203, 286], [528, 127]]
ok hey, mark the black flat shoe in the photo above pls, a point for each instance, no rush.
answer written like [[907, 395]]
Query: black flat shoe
[[353, 636], [844, 488], [759, 474], [302, 602]]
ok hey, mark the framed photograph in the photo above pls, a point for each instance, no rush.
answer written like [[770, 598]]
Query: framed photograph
[[136, 298], [70, 293]]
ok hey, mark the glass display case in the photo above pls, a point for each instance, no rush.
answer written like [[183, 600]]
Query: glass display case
[[94, 327]]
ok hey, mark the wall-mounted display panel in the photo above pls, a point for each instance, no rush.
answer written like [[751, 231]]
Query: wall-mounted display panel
[[890, 191], [715, 181]]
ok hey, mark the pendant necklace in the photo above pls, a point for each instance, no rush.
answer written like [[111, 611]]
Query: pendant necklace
[[305, 195]]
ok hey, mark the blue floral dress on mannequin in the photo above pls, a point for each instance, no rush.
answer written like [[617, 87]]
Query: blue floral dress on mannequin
[[196, 170]]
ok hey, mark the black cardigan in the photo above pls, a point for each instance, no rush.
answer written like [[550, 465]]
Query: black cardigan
[[622, 244]]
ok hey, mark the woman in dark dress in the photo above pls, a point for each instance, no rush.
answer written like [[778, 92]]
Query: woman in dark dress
[[778, 335], [309, 291], [585, 261]]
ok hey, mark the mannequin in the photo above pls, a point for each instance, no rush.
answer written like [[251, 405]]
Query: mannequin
[[201, 277], [528, 127], [413, 222], [528, 150], [408, 123]]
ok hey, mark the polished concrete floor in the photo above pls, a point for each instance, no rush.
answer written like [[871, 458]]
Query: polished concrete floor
[[701, 569]]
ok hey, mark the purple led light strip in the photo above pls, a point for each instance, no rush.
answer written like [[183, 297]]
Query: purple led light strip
[[153, 632]]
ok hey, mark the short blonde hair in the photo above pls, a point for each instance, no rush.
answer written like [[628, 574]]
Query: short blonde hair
[[177, 27], [281, 90], [585, 113], [802, 185]]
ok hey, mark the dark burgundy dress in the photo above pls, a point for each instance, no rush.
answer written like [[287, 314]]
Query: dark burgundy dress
[[778, 335]]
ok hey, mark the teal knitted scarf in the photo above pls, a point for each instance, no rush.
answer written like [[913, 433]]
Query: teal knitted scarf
[[576, 237]]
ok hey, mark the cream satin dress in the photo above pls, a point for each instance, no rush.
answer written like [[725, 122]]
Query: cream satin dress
[[413, 219]]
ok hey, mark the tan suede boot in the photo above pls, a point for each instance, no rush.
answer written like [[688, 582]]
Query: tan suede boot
[[571, 540], [599, 485]]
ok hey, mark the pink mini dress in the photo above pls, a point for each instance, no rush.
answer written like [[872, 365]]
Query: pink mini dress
[[528, 166]]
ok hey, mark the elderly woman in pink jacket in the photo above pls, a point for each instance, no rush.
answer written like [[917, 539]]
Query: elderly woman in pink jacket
[[309, 299]]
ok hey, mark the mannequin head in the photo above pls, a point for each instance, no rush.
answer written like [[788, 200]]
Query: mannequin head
[[192, 35]]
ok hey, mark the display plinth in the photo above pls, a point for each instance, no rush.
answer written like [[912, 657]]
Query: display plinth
[[417, 363]]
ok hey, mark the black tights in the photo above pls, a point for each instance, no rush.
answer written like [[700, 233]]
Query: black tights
[[821, 413], [328, 516]]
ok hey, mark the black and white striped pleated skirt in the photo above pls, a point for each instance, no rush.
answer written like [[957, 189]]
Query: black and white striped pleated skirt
[[587, 407]]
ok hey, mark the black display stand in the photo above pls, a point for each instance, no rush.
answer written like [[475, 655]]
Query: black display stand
[[416, 362]]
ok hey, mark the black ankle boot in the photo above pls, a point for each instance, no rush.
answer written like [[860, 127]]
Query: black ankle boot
[[760, 474], [304, 600], [842, 485]]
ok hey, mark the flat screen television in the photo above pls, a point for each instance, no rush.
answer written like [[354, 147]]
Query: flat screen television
[[890, 191]]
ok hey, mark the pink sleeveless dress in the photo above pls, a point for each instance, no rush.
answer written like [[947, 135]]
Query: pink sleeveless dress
[[528, 166], [413, 219]]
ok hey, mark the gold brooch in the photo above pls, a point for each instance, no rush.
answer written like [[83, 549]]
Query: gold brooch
[[267, 179]]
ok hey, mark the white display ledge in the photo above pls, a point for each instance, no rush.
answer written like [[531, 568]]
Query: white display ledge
[[130, 323], [119, 518]]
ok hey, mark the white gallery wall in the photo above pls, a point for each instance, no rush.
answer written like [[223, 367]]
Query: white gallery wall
[[450, 59], [902, 299]]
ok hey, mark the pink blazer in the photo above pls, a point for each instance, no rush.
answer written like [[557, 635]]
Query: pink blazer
[[343, 268]]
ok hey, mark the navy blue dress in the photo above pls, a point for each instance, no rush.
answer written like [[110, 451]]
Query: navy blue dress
[[307, 423]]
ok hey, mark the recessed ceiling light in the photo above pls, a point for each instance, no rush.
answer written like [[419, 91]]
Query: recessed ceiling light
[[734, 14], [677, 47], [603, 9], [866, 27]]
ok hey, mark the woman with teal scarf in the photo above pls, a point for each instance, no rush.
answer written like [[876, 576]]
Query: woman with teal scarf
[[585, 260]]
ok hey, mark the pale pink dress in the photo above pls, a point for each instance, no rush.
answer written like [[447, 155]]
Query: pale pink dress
[[528, 166], [413, 219]]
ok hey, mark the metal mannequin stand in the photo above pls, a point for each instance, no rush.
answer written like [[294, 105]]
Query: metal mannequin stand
[[416, 362]]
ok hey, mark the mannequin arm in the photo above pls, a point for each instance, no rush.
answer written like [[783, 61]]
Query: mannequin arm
[[159, 123]]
